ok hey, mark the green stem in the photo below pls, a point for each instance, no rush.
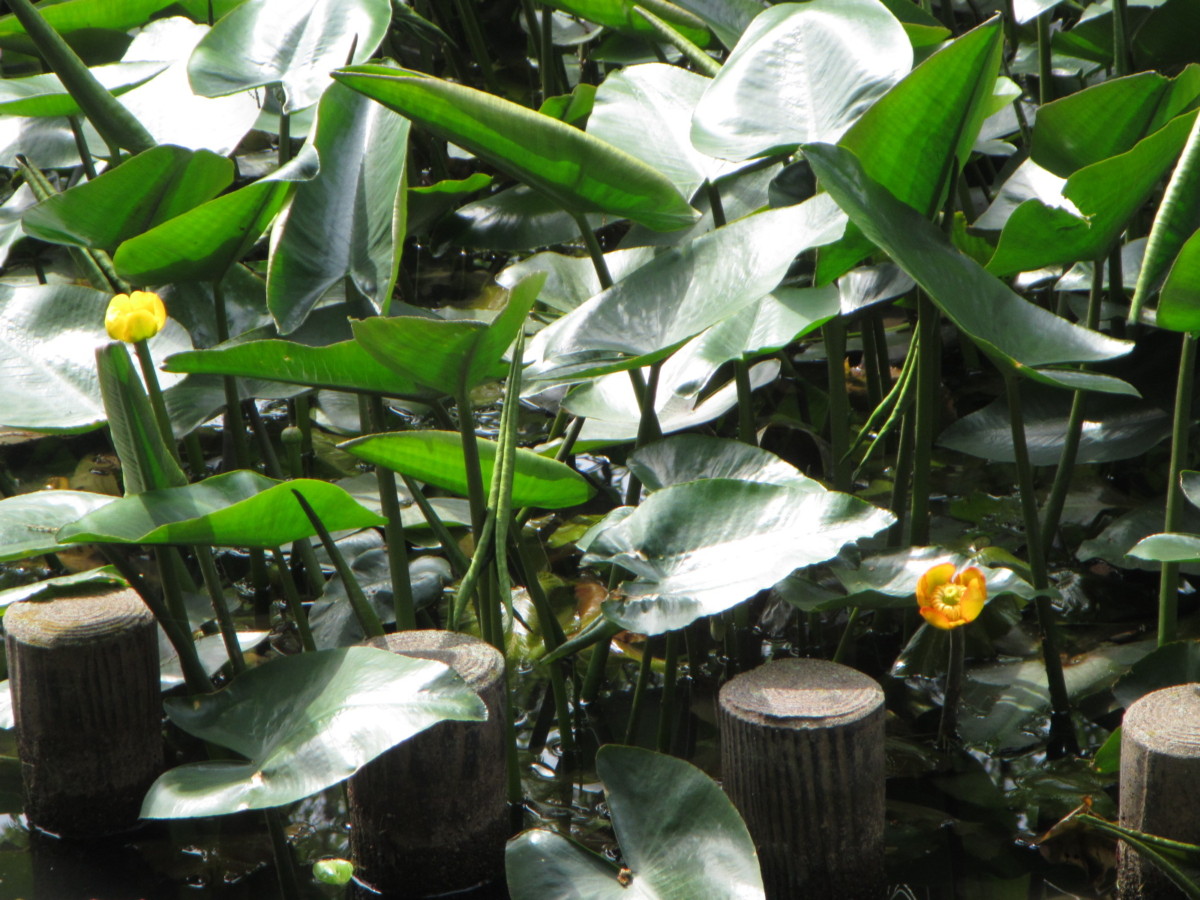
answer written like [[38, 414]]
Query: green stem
[[458, 560], [1074, 433], [295, 607], [839, 402], [639, 692], [1120, 22], [747, 433], [235, 424], [1168, 591], [948, 727], [474, 33], [212, 583], [285, 863], [466, 427], [1045, 66], [666, 712], [150, 375], [1062, 732], [397, 546], [594, 251], [594, 676], [929, 392], [363, 611], [843, 647], [194, 675]]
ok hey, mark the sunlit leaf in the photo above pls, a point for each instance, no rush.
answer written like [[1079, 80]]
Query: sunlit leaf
[[239, 509], [436, 457]]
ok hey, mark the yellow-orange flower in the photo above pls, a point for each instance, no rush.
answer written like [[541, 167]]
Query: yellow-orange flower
[[947, 600], [135, 317]]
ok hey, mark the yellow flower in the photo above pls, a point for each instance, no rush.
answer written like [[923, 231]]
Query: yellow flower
[[135, 317], [947, 600]]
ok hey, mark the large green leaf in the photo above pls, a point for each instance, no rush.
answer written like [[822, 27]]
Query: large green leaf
[[44, 95], [349, 219], [1168, 547], [1179, 300], [647, 112], [237, 509], [620, 15], [344, 366], [680, 837], [137, 195], [802, 72], [612, 415], [29, 522], [436, 457], [304, 723], [1109, 118], [695, 457], [1113, 428], [49, 335], [202, 243], [581, 173], [915, 136], [82, 16], [1005, 325], [1105, 195], [683, 291], [448, 356], [295, 43], [166, 105], [701, 547]]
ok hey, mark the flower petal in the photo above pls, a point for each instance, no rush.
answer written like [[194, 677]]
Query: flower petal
[[931, 581]]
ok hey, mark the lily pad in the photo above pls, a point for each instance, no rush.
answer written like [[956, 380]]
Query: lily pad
[[304, 723]]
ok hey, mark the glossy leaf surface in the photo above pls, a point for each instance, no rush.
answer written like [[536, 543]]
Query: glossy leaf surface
[[237, 509], [294, 43], [579, 172], [49, 335], [29, 522], [304, 723], [445, 355], [349, 219], [436, 457], [1005, 325], [679, 834], [802, 72], [112, 208], [683, 291], [204, 242], [344, 366], [701, 547], [44, 95]]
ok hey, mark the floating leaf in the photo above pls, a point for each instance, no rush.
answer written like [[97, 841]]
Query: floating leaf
[[29, 522], [701, 547], [680, 836], [304, 723]]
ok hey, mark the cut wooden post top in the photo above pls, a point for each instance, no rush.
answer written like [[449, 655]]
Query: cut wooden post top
[[1167, 720], [477, 662], [801, 693], [65, 621]]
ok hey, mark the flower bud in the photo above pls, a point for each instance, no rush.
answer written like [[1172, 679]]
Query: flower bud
[[135, 317]]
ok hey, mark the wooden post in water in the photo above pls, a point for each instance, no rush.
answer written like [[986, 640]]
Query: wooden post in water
[[84, 677], [430, 816], [802, 760], [1160, 783]]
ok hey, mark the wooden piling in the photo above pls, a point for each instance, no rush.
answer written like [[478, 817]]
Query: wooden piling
[[1160, 784], [802, 760], [430, 816], [84, 676]]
